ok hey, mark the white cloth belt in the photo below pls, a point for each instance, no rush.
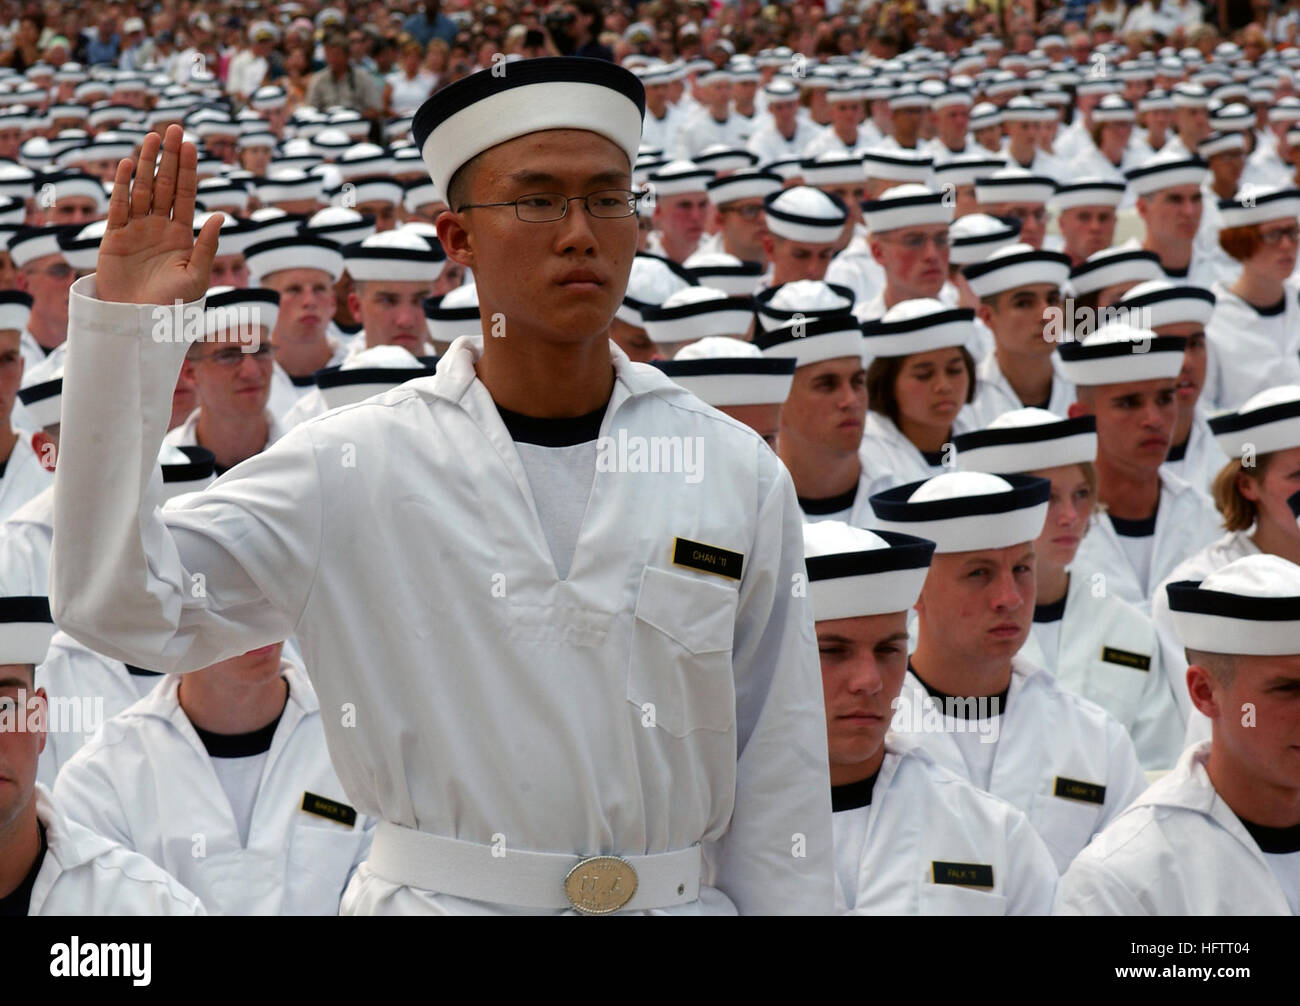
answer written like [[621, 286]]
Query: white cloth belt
[[470, 870]]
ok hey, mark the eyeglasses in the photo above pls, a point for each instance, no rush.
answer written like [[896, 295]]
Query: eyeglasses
[[1038, 215], [915, 242], [59, 270], [744, 212], [233, 356], [1280, 234], [542, 207]]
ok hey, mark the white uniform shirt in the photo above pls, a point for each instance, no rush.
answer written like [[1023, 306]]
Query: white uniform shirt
[[912, 849], [661, 134], [890, 459], [701, 130], [186, 435], [24, 476], [856, 511], [1202, 458], [1048, 741], [146, 780], [768, 144], [1178, 850], [1185, 521], [996, 396], [1250, 350], [25, 538], [1106, 650], [87, 874], [418, 496], [829, 142], [856, 268]]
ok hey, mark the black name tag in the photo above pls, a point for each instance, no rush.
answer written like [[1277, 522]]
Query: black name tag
[[1073, 789], [962, 874], [1137, 661], [707, 558], [324, 807]]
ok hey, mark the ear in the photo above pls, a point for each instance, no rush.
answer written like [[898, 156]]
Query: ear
[[1076, 410], [1200, 686], [877, 250], [456, 241], [20, 280], [46, 449], [985, 314]]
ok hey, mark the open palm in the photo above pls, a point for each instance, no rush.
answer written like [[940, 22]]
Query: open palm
[[149, 254]]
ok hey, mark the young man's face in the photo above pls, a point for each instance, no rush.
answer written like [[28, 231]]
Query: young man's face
[[794, 260], [634, 341], [232, 379], [827, 406], [863, 662], [979, 604], [743, 225], [765, 420], [1018, 318], [845, 115], [1135, 422], [229, 270], [1264, 747], [11, 372], [1022, 134], [384, 212], [1068, 511], [682, 218], [19, 749], [48, 279], [915, 259], [1087, 230], [1191, 379], [392, 313], [73, 210], [1172, 215], [907, 124], [784, 114], [1032, 217], [851, 194], [1193, 122], [1227, 168], [306, 304], [951, 124]]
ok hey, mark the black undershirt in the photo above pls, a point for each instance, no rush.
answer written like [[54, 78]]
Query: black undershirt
[[933, 458], [1272, 311], [1053, 612], [828, 504], [3, 465], [18, 902], [1274, 841], [853, 795], [246, 745], [1134, 528], [303, 382], [1177, 273], [961, 705], [1179, 451], [141, 672], [349, 329], [568, 431]]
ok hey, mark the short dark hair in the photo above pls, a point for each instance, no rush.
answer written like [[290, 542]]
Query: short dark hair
[[883, 373], [458, 187]]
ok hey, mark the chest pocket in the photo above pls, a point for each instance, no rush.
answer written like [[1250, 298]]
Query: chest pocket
[[680, 662], [945, 899], [320, 862], [1066, 826], [1117, 680]]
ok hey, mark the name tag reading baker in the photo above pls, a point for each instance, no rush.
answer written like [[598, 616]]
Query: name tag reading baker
[[600, 885], [707, 558]]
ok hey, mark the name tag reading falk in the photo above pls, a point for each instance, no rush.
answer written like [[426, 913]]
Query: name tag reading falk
[[332, 809], [1074, 789], [707, 558], [962, 874]]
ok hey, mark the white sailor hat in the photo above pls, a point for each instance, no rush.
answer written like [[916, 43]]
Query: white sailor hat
[[1113, 108], [365, 160], [1164, 171], [454, 314], [829, 336], [80, 246], [725, 372], [832, 168], [967, 511], [1189, 95], [918, 326], [907, 205], [696, 312], [1089, 191], [750, 183], [651, 281], [69, 184], [255, 139], [1161, 303], [844, 91], [724, 272], [26, 628], [1268, 421], [805, 298], [803, 213], [1027, 440], [1022, 109], [31, 243], [719, 157], [268, 97], [780, 89], [786, 167], [951, 96], [351, 122], [370, 372], [1119, 353], [421, 192], [15, 309], [366, 189], [1220, 143], [284, 186], [1250, 607], [395, 256], [272, 223], [678, 177], [1016, 266], [301, 251], [1259, 204], [1287, 109], [483, 110], [897, 166], [966, 170], [212, 192], [853, 572], [1234, 117], [13, 210], [235, 235], [1155, 100], [908, 96], [1113, 266], [331, 142], [985, 114], [228, 310], [16, 180], [976, 236], [339, 225], [185, 469], [43, 400], [1013, 185]]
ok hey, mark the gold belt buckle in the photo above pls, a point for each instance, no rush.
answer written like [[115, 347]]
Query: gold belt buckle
[[600, 884]]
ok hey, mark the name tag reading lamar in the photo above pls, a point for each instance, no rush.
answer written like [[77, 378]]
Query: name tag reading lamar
[[1073, 789], [962, 874], [707, 558], [1137, 661], [332, 809]]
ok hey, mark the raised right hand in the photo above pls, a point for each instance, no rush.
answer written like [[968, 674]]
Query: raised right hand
[[149, 254]]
